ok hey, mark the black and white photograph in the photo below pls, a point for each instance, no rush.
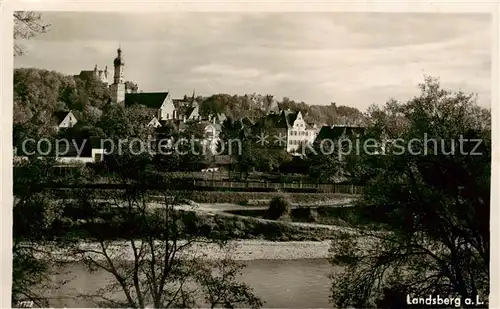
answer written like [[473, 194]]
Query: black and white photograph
[[249, 159]]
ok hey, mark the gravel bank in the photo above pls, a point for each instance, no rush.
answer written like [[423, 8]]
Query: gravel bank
[[242, 250], [270, 250]]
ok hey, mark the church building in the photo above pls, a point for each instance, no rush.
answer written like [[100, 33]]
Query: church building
[[161, 104], [101, 75]]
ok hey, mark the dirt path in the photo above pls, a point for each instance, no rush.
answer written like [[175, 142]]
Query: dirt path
[[233, 207]]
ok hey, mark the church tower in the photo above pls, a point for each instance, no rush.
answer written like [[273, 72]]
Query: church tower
[[118, 86]]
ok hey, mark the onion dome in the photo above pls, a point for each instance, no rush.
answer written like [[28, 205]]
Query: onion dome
[[119, 59]]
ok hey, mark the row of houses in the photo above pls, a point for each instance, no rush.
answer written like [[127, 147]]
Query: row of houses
[[288, 128], [286, 125]]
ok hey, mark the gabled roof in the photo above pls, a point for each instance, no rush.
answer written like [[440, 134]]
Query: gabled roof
[[184, 108], [148, 99], [87, 73], [60, 115], [289, 117], [283, 120], [155, 121], [192, 110], [221, 117]]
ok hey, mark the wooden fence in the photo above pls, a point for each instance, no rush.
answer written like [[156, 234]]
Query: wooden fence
[[265, 186], [327, 188], [159, 181]]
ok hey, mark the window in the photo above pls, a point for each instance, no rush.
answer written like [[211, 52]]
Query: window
[[168, 116]]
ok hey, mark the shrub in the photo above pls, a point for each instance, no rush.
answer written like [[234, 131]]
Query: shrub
[[278, 207], [35, 216]]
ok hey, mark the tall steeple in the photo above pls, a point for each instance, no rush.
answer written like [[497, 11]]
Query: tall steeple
[[118, 86], [119, 64]]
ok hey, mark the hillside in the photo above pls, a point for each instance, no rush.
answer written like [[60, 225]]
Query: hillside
[[38, 94]]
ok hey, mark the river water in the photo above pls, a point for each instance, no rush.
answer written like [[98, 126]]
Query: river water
[[280, 283]]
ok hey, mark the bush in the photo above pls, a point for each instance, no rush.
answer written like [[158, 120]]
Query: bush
[[35, 216], [278, 207]]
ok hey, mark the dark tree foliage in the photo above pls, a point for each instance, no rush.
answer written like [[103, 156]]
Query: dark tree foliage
[[255, 106], [131, 87], [165, 270], [279, 206], [34, 213], [39, 94], [436, 205]]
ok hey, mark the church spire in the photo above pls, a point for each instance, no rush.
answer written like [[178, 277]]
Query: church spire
[[118, 86], [118, 63]]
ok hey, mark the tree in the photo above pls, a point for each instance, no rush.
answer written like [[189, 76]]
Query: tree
[[329, 162], [27, 25], [34, 213], [269, 159], [92, 114], [435, 206], [39, 94], [164, 267], [279, 207], [131, 87], [119, 122], [26, 269]]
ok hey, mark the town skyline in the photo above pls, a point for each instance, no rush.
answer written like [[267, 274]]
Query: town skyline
[[283, 54]]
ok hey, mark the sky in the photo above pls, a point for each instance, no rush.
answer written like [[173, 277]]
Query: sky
[[353, 59]]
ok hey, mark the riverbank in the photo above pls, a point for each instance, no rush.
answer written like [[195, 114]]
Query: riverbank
[[245, 250], [241, 250]]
